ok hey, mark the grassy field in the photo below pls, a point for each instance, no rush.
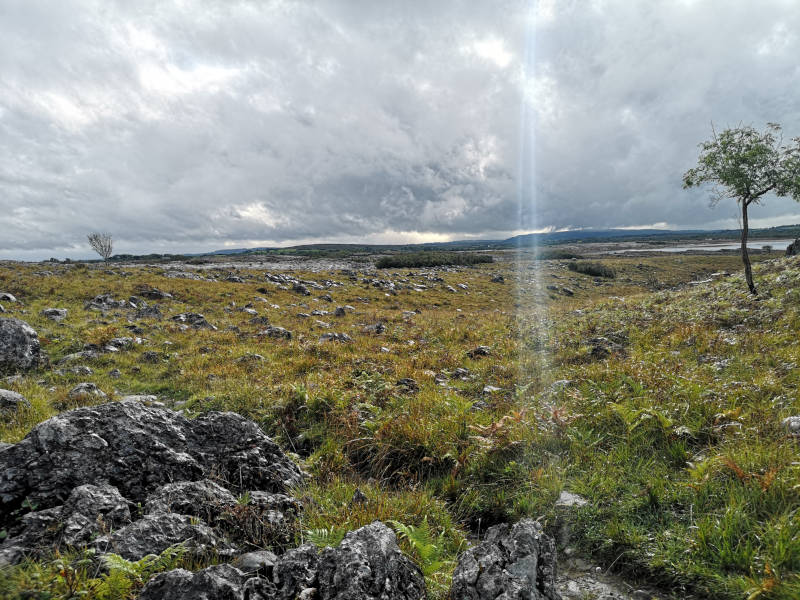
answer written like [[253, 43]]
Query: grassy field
[[657, 400]]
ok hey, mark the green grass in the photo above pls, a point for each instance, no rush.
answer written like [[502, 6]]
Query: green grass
[[675, 439]]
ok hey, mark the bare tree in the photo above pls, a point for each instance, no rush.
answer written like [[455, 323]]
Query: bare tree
[[101, 243]]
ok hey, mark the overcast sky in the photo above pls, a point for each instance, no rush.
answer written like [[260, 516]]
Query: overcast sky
[[198, 125]]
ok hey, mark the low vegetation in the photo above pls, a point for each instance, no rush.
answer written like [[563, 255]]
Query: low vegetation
[[672, 433], [595, 269], [431, 259]]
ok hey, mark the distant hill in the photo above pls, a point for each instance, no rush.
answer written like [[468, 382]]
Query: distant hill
[[554, 238]]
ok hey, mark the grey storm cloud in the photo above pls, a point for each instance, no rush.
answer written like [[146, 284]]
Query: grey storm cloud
[[194, 125]]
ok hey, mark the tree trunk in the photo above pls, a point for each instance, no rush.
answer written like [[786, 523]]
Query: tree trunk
[[748, 270]]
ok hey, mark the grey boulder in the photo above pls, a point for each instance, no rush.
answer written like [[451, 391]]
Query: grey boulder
[[512, 563], [12, 401], [19, 346], [55, 314]]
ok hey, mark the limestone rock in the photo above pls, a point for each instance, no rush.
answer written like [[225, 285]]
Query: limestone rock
[[19, 346], [512, 563]]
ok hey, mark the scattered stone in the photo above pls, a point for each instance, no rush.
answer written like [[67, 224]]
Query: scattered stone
[[568, 499], [19, 346], [339, 312], [491, 389], [250, 358], [408, 384], [76, 356], [335, 337], [55, 314], [377, 328], [81, 370], [104, 302], [152, 293], [185, 275], [498, 279], [326, 298], [6, 297], [300, 289], [512, 562], [115, 373], [194, 320], [276, 332], [359, 497], [479, 351], [151, 312], [12, 401], [86, 391], [792, 425]]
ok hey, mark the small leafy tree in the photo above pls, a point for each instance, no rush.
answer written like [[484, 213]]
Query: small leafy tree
[[746, 164], [101, 243]]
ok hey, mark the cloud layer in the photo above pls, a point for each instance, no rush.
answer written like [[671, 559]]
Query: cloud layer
[[195, 125]]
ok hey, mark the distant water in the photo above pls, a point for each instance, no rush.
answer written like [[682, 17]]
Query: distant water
[[777, 246]]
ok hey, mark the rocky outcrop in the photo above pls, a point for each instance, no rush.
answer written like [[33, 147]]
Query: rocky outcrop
[[512, 563], [19, 346], [138, 448], [793, 249], [85, 468], [367, 565]]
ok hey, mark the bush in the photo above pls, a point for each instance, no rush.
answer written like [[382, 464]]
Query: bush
[[431, 259], [595, 269]]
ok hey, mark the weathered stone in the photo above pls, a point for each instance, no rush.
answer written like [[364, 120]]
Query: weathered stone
[[792, 249], [19, 346], [6, 297], [792, 425], [479, 351], [204, 499], [138, 448], [276, 332], [368, 565], [91, 508], [12, 401], [219, 582], [55, 314], [335, 337], [152, 534], [300, 289], [260, 561], [104, 302], [194, 320], [512, 563], [86, 391]]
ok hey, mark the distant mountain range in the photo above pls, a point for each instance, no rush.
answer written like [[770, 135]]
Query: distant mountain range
[[554, 238], [547, 239]]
